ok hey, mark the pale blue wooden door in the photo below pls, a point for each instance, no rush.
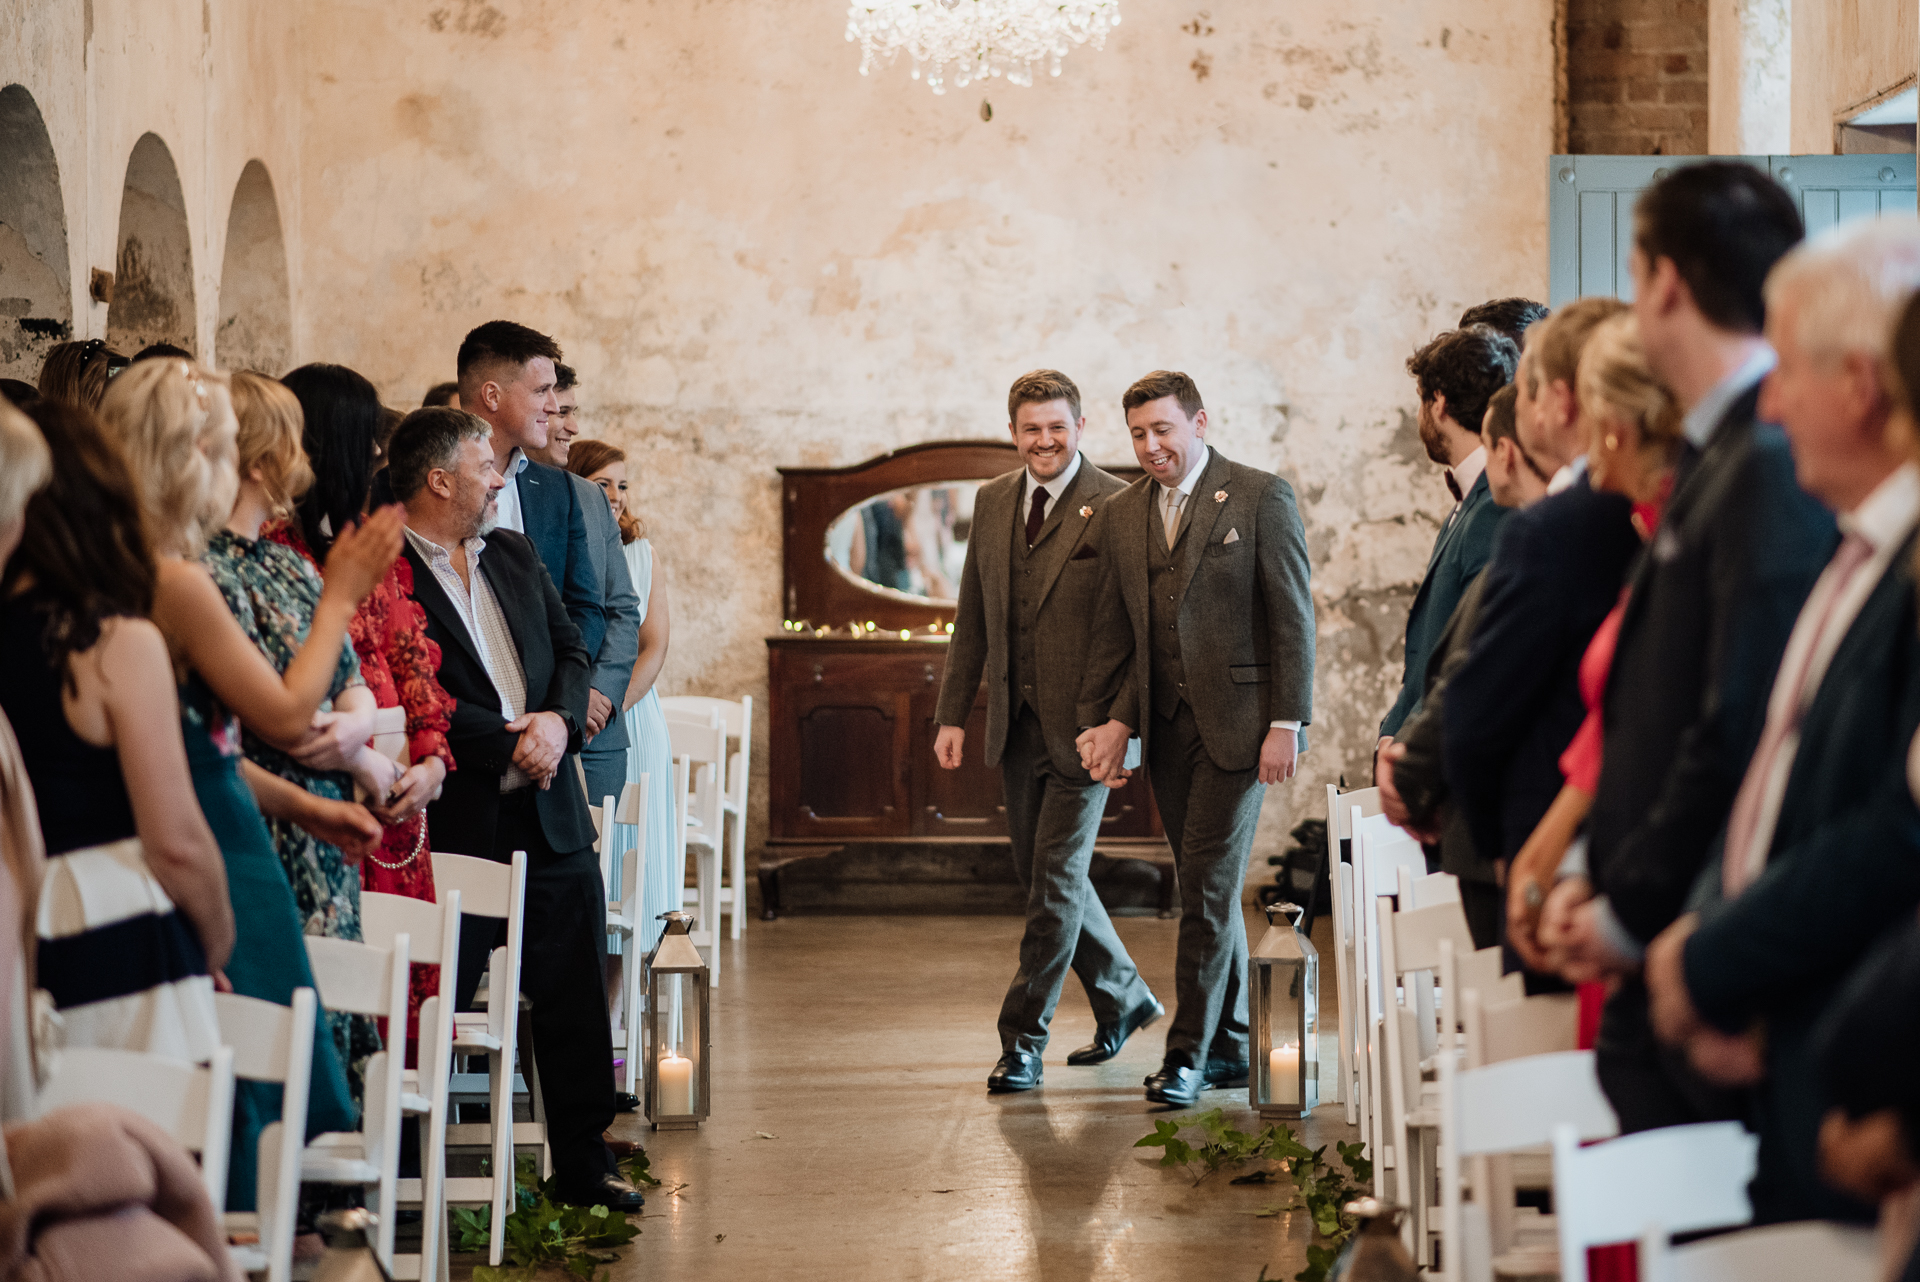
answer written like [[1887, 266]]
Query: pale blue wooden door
[[1590, 206]]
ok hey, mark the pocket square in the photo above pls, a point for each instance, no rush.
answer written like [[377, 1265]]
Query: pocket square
[[1233, 536], [1087, 552]]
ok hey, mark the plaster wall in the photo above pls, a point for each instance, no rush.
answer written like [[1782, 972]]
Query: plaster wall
[[1847, 54], [211, 79], [756, 257]]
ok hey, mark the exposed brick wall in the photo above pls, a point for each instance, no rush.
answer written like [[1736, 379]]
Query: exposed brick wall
[[1637, 77]]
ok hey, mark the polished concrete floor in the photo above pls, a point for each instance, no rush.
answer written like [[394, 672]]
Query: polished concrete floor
[[852, 1136]]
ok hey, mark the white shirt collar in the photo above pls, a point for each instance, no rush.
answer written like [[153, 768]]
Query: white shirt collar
[[1055, 488], [1192, 478], [517, 461], [1706, 415], [1885, 516], [435, 554], [1468, 470], [1567, 476]]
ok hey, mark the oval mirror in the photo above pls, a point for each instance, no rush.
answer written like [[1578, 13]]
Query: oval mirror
[[909, 542]]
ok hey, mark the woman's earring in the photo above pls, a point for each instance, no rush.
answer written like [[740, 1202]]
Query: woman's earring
[[1613, 442]]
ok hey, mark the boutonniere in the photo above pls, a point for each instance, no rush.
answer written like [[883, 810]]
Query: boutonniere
[[1087, 510], [1219, 496]]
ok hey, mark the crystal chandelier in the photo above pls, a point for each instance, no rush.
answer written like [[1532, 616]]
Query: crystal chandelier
[[980, 38]]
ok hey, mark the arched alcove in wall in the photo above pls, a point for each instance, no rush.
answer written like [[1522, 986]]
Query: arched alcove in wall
[[256, 306], [36, 298], [153, 264]]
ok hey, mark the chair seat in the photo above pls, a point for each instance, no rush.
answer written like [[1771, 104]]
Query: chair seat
[[1528, 1262], [416, 1104], [338, 1158], [617, 921], [248, 1259]]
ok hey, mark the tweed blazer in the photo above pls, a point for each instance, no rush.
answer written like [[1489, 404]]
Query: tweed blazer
[[1244, 612], [1064, 565]]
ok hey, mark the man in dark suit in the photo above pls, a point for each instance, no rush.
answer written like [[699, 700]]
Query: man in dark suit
[[1514, 703], [1711, 604], [507, 377], [1413, 780], [604, 757], [1204, 648], [1027, 601], [1821, 850], [515, 664]]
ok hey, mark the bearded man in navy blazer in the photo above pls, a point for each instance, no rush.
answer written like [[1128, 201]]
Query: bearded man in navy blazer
[[1821, 852], [518, 670], [1204, 648]]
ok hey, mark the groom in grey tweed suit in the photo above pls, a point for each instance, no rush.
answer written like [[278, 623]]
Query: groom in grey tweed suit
[[1205, 650], [1027, 595]]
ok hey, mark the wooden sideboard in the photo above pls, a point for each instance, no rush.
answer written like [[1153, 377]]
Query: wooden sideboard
[[852, 752]]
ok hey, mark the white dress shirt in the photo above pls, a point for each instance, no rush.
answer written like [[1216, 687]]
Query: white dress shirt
[[511, 518], [1464, 474], [1564, 479], [1711, 408], [486, 627], [1054, 488], [1185, 488], [1883, 520]]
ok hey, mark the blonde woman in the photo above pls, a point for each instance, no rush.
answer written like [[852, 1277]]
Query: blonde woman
[[1636, 440], [176, 424]]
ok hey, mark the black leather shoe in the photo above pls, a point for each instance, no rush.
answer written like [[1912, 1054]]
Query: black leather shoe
[[1175, 1084], [609, 1191], [1109, 1038], [1222, 1073], [1014, 1072], [626, 1102]]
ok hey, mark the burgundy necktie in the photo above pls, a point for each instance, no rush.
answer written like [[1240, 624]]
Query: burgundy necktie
[[1453, 486], [1037, 514]]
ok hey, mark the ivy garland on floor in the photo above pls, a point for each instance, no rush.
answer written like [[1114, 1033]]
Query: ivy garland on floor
[[541, 1232], [1319, 1188]]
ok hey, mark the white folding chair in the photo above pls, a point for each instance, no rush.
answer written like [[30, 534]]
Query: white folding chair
[[433, 931], [1775, 1253], [1411, 941], [736, 718], [1380, 851], [622, 830], [1340, 810], [1481, 971], [1679, 1178], [489, 889], [191, 1102], [704, 750], [363, 979], [1500, 1109], [272, 1043]]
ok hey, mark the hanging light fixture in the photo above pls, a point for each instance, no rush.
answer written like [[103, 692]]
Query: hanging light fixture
[[977, 38]]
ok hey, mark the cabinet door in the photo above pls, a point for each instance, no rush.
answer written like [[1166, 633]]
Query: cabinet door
[[849, 752], [968, 802]]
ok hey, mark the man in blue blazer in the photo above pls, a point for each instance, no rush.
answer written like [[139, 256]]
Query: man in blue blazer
[[507, 378], [1456, 375], [1820, 853]]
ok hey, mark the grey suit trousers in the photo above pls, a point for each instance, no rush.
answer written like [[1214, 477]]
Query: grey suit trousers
[[1210, 815], [606, 773], [1052, 822]]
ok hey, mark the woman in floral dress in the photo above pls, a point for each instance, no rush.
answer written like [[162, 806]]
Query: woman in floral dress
[[342, 419]]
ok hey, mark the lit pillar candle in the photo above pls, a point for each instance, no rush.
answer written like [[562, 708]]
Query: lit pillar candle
[[1283, 1074], [676, 1085]]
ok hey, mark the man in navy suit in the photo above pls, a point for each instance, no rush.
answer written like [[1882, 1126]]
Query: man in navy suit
[[1456, 375], [1821, 851], [507, 378]]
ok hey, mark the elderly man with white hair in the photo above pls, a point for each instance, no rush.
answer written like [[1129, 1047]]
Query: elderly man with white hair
[[1821, 852]]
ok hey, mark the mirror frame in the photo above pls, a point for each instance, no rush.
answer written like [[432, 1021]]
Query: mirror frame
[[812, 498], [814, 589]]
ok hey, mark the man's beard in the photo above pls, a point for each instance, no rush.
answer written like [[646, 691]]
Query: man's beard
[[487, 524]]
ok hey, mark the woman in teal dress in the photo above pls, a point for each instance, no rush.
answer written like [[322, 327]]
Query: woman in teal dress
[[176, 427]]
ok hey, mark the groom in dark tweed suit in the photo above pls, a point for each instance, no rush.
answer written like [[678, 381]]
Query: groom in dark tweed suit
[[1205, 650], [1026, 599]]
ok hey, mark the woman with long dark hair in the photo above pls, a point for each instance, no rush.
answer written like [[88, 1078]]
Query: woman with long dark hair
[[343, 422], [133, 914]]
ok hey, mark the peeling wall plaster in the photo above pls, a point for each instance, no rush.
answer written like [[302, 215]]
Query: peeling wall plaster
[[756, 257]]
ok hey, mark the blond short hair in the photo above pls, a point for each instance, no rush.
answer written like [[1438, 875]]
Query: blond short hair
[[174, 420], [1850, 282], [1615, 382], [25, 462], [271, 425], [1554, 344]]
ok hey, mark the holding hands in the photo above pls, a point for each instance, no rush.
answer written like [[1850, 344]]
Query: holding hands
[[1103, 752]]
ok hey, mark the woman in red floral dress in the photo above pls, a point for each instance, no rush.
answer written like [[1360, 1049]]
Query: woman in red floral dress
[[398, 661]]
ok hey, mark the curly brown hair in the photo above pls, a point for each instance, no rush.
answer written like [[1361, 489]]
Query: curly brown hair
[[584, 458], [1467, 366], [83, 556]]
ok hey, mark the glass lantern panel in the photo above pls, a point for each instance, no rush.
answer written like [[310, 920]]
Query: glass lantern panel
[[676, 1045], [1280, 992]]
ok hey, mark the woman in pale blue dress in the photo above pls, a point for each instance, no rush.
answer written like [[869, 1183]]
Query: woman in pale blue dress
[[651, 752]]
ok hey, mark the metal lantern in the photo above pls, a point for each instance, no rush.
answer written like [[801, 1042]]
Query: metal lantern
[[1284, 1002], [679, 1035]]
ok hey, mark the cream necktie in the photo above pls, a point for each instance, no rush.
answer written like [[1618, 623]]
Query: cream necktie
[[1172, 519]]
